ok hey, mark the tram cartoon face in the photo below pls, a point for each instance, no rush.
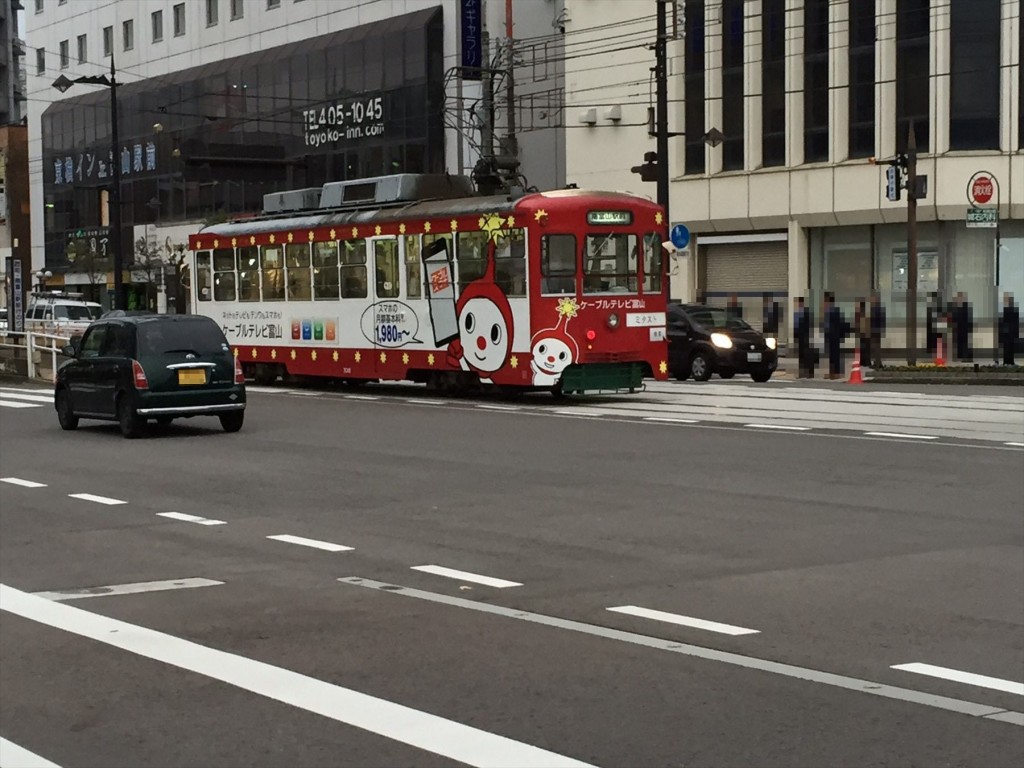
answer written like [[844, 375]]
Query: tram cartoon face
[[484, 335], [551, 356]]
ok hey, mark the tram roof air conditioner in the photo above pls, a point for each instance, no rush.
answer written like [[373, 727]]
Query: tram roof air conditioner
[[397, 188], [292, 200]]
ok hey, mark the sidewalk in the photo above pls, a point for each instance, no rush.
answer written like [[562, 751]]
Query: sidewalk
[[788, 365]]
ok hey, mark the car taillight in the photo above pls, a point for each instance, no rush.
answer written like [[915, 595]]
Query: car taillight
[[139, 375], [239, 374]]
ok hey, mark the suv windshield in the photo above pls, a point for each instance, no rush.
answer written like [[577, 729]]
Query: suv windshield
[[75, 312], [198, 337], [714, 317]]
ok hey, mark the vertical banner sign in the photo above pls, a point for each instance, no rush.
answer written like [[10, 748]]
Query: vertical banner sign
[[472, 38], [16, 321]]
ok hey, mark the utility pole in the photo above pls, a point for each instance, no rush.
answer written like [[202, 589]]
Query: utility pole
[[912, 194], [487, 85], [511, 148], [661, 106], [115, 197]]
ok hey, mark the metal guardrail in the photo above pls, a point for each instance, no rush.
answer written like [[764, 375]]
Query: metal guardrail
[[30, 342]]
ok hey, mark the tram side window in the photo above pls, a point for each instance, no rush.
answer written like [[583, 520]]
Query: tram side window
[[510, 263], [413, 267], [203, 276], [272, 272], [385, 263], [609, 263], [296, 265], [353, 269], [325, 271], [224, 274], [247, 259], [471, 257], [558, 264], [652, 263]]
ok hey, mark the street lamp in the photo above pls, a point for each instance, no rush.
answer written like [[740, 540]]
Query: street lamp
[[42, 276], [62, 84]]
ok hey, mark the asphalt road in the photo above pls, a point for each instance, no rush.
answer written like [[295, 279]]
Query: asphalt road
[[767, 584]]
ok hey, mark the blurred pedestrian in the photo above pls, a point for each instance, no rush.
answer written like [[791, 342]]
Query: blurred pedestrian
[[802, 324], [770, 316], [733, 309], [862, 322], [877, 327], [835, 329], [1009, 328], [963, 322], [932, 312]]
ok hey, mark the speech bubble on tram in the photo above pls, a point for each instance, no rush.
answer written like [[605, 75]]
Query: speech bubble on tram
[[390, 324]]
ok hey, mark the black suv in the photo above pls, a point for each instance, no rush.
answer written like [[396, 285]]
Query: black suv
[[703, 340], [161, 367]]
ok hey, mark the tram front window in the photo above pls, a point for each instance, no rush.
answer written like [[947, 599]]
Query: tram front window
[[610, 263]]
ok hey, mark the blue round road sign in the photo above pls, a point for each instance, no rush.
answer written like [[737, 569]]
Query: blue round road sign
[[680, 236]]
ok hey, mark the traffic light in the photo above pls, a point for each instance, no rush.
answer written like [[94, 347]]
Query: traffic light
[[649, 170]]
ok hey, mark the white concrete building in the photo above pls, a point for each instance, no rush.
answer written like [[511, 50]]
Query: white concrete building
[[804, 92], [222, 101]]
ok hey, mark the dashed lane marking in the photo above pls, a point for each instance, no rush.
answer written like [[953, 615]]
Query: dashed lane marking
[[685, 621], [670, 420], [314, 543], [488, 407], [901, 435], [29, 395], [13, 756], [127, 589], [97, 499], [476, 578], [22, 483], [18, 404], [784, 427], [968, 678], [1015, 445], [362, 397], [422, 730], [190, 518], [869, 687]]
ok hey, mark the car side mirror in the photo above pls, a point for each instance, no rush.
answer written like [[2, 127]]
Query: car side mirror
[[69, 350]]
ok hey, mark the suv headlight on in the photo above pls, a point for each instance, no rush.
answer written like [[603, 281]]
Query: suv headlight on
[[721, 341], [770, 342]]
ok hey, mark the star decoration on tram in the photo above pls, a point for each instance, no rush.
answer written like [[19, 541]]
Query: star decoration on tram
[[359, 356], [273, 354], [383, 357], [335, 356], [514, 361], [291, 236], [216, 243], [293, 354], [401, 229], [254, 353], [658, 218], [663, 366], [234, 242], [540, 215], [235, 351], [377, 230], [430, 359], [252, 239], [312, 355], [355, 232], [426, 227], [273, 239], [334, 234], [454, 224], [310, 235], [405, 358]]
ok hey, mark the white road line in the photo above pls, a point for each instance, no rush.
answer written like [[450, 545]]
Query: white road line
[[586, 414], [476, 578], [127, 589], [424, 401], [969, 678], [820, 677], [431, 733], [22, 483], [274, 390], [17, 404], [686, 621], [13, 756], [1015, 445], [778, 426], [35, 398], [669, 420], [325, 545], [97, 499], [361, 397], [901, 434], [190, 518], [489, 407]]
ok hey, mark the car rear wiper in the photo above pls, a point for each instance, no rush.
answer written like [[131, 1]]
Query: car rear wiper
[[174, 351]]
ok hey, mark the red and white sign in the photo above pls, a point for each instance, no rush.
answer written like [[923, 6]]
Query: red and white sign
[[981, 188]]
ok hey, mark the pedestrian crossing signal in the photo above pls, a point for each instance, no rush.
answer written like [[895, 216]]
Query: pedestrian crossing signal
[[892, 183]]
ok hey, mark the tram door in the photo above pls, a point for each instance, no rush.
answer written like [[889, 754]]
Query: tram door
[[388, 308]]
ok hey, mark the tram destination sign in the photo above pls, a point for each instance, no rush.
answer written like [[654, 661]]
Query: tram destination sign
[[610, 217]]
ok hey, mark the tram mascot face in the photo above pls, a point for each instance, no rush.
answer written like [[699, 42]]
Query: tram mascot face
[[553, 350], [485, 327]]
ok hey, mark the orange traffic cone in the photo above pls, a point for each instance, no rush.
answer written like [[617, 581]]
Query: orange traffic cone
[[855, 376], [940, 352]]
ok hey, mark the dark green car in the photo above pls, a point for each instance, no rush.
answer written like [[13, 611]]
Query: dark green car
[[161, 367]]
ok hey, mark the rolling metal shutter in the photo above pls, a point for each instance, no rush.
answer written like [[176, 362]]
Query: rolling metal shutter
[[746, 269]]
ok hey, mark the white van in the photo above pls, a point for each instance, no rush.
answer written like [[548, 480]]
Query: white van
[[60, 313]]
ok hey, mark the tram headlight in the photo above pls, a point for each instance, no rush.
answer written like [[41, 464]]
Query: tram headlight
[[721, 341], [613, 320], [771, 342]]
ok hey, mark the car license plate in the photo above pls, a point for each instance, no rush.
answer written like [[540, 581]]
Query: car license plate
[[753, 357], [191, 376]]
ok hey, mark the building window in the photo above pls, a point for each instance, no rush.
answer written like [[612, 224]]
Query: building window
[[158, 25], [179, 19], [83, 51], [108, 40], [732, 85], [815, 81], [212, 12], [237, 9], [128, 28], [913, 101], [974, 74], [862, 80], [39, 6], [773, 82], [273, 4], [64, 57], [694, 86], [40, 61]]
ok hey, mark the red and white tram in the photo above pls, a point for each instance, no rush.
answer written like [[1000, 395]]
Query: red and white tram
[[413, 277]]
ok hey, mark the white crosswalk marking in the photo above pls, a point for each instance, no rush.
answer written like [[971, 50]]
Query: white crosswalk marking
[[11, 397]]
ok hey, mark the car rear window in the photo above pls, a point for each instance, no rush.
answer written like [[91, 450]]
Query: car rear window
[[198, 337], [76, 312]]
